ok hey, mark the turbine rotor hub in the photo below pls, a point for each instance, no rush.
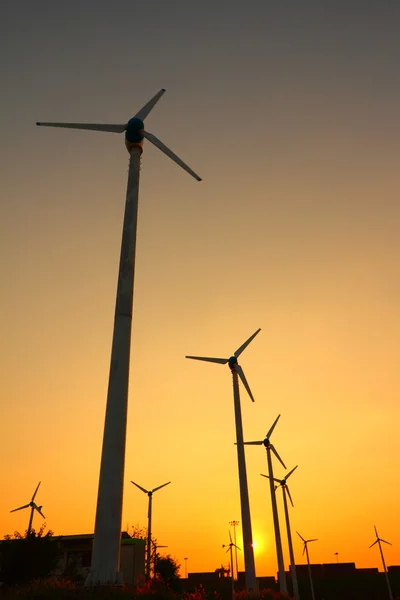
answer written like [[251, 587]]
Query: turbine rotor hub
[[232, 362], [132, 135], [266, 442]]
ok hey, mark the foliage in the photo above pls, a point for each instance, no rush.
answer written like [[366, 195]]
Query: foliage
[[166, 571], [29, 557]]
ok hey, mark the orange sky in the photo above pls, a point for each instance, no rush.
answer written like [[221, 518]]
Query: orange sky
[[293, 124]]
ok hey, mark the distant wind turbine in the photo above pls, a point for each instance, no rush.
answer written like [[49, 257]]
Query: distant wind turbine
[[105, 566], [33, 507], [285, 491], [237, 371], [378, 541], [305, 549], [155, 555], [149, 514], [278, 541], [230, 546]]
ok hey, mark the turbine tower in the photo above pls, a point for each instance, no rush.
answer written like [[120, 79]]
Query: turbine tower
[[286, 491], [234, 524], [149, 512], [107, 535], [33, 507], [378, 541], [237, 371], [305, 549], [230, 546], [278, 541]]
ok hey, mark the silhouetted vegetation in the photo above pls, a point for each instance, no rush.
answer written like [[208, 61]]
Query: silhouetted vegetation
[[24, 558], [166, 571]]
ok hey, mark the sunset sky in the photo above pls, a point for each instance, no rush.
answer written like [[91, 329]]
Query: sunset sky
[[290, 112]]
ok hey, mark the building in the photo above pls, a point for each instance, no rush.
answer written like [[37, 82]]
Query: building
[[76, 553]]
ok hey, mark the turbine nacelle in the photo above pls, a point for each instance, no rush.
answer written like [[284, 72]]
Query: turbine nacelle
[[232, 362], [134, 133]]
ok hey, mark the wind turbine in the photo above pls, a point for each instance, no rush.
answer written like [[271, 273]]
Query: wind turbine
[[237, 371], [234, 524], [305, 549], [33, 507], [286, 491], [378, 541], [278, 541], [150, 495], [155, 556], [230, 546], [107, 535]]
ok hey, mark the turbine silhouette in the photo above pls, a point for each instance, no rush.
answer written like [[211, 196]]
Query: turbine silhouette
[[33, 506], [105, 567], [237, 372]]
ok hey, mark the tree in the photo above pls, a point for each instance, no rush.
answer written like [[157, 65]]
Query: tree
[[29, 557], [166, 570]]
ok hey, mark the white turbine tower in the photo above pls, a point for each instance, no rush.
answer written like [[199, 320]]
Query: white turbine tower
[[230, 546], [237, 371], [107, 535], [149, 514], [33, 506], [305, 549], [378, 541], [278, 541], [285, 491]]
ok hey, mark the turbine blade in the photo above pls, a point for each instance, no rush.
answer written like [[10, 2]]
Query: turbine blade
[[290, 472], [290, 497], [385, 542], [300, 536], [20, 508], [375, 542], [35, 492], [234, 545], [140, 487], [221, 361], [239, 371], [260, 443], [314, 540], [376, 532], [247, 342], [277, 455], [272, 428], [87, 126], [144, 111], [40, 512], [262, 475], [160, 486], [304, 549], [158, 143], [230, 537], [228, 549]]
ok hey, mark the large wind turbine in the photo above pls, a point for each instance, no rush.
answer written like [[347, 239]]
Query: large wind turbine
[[107, 536], [278, 541], [378, 541], [230, 546], [286, 491], [149, 512], [33, 507], [305, 549], [237, 371]]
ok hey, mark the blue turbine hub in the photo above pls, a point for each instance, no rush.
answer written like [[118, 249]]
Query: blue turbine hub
[[232, 362], [132, 134]]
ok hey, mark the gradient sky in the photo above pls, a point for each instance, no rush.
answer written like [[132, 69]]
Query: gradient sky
[[290, 112]]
